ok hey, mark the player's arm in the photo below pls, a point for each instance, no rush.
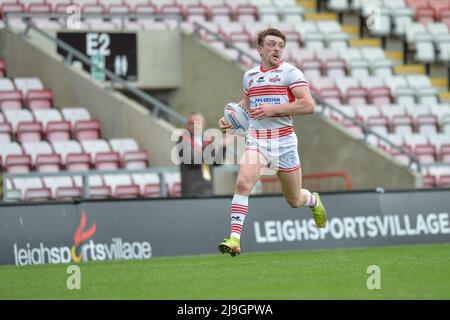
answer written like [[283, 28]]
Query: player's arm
[[303, 104], [223, 124]]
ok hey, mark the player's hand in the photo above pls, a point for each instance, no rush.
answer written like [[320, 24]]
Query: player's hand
[[263, 111], [223, 125]]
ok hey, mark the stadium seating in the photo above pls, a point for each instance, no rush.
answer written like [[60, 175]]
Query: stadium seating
[[360, 81], [35, 136]]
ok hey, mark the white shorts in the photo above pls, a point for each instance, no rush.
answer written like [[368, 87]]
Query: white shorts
[[280, 152]]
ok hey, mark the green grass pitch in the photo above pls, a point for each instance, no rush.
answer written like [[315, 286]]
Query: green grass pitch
[[407, 272]]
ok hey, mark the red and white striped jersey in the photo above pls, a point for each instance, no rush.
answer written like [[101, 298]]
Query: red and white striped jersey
[[272, 86]]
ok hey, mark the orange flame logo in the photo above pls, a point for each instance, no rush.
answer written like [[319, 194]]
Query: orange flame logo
[[80, 236]]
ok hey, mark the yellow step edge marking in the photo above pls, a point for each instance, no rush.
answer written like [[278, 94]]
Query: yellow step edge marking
[[365, 43], [321, 16], [410, 69], [350, 29], [394, 55], [439, 82], [307, 4], [445, 96]]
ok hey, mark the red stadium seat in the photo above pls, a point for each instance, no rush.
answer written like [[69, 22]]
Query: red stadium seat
[[48, 163], [219, 13], [95, 146], [334, 68], [118, 8], [135, 159], [148, 183], [5, 132], [127, 191], [68, 193], [195, 12], [444, 181], [401, 157], [78, 162], [444, 153], [64, 148], [11, 6], [61, 7], [425, 15], [160, 3], [380, 96], [29, 131], [174, 190], [356, 96], [152, 190], [171, 9], [402, 124], [58, 131], [239, 36], [100, 192], [55, 182], [311, 68], [145, 8], [10, 100], [107, 161], [245, 12], [39, 7], [18, 163], [414, 4], [438, 6], [39, 99], [429, 181], [425, 153], [87, 130], [427, 124], [93, 8], [38, 194], [331, 95], [379, 124]]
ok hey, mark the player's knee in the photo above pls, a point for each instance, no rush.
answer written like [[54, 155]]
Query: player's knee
[[294, 202], [243, 185]]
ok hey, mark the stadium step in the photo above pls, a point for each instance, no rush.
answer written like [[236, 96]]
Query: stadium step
[[440, 83], [352, 30], [356, 43], [308, 4], [395, 56], [321, 16], [410, 69], [445, 96]]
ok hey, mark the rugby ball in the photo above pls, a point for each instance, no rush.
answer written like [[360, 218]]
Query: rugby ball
[[237, 117]]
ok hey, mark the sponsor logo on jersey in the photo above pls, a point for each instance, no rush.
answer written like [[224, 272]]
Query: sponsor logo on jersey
[[253, 74], [275, 79], [260, 79]]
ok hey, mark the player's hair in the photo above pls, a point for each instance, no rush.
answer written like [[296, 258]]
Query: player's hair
[[270, 32]]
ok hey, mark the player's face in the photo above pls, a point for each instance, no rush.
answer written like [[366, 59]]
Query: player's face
[[272, 50], [196, 123]]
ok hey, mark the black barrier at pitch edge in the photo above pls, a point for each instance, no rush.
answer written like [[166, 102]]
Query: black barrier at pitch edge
[[129, 229]]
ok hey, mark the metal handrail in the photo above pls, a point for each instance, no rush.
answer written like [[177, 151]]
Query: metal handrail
[[161, 171], [314, 176], [72, 52], [366, 130], [85, 175], [26, 16]]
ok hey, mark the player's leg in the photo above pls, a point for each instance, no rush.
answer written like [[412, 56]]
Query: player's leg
[[291, 184], [249, 172]]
